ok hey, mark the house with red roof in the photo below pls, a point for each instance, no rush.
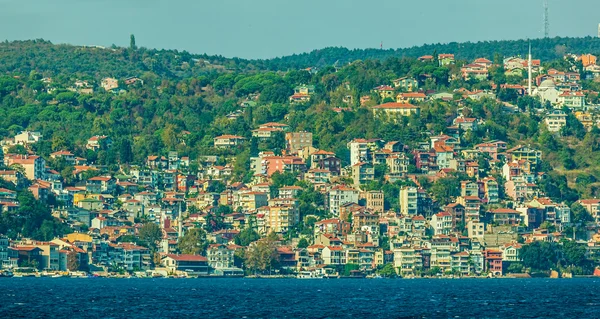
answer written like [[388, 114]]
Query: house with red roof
[[474, 71], [445, 59], [465, 123], [425, 58], [510, 252], [302, 93], [484, 62], [493, 262], [34, 165], [572, 99], [443, 154], [98, 142], [100, 184], [411, 97], [384, 91]]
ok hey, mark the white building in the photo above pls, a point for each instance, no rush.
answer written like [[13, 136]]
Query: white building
[[476, 230], [339, 196], [27, 137], [359, 151], [408, 201], [547, 92], [555, 120], [441, 223], [572, 99], [406, 259], [219, 256]]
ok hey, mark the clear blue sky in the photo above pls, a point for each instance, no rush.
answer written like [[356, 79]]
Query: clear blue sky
[[269, 28]]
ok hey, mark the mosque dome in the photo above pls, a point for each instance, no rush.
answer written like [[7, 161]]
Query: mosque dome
[[547, 84]]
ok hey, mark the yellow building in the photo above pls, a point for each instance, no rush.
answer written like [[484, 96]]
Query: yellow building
[[78, 237], [396, 109], [278, 219], [78, 197], [586, 119]]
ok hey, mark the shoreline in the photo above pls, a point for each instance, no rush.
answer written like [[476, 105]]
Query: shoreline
[[293, 277]]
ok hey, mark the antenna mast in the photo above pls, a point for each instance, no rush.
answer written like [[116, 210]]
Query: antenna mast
[[546, 20]]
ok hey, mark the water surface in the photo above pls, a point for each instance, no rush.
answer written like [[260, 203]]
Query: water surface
[[281, 298]]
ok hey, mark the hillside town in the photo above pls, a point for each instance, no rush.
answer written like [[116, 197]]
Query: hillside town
[[379, 207]]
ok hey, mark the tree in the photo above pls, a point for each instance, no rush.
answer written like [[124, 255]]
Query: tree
[[303, 243], [580, 215], [444, 189], [73, 261], [283, 179], [125, 152], [262, 256], [433, 271], [573, 253], [388, 271], [17, 149], [150, 233], [132, 44], [193, 242], [246, 236], [515, 268], [539, 255], [348, 268]]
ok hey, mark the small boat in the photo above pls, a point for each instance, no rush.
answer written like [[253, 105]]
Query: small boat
[[6, 274], [78, 274]]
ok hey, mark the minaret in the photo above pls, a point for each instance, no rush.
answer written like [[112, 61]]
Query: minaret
[[179, 221], [529, 71]]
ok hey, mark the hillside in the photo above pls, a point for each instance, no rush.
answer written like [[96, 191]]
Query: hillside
[[181, 102], [152, 137]]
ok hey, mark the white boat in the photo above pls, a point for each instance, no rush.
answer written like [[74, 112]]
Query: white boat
[[308, 275]]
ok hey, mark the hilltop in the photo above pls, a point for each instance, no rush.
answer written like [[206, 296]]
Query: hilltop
[[25, 56]]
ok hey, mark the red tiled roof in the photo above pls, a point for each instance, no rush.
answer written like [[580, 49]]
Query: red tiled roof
[[414, 95]]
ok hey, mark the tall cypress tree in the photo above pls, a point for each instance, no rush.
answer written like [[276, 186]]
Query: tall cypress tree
[[132, 45]]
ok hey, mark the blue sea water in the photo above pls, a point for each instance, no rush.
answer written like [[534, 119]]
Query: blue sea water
[[291, 298]]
